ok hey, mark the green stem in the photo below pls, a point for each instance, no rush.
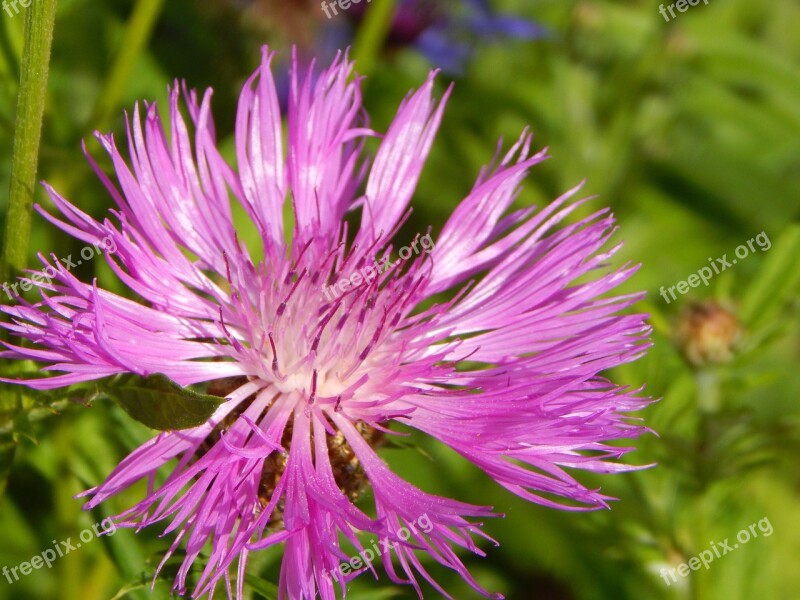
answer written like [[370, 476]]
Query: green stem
[[372, 34], [137, 33], [708, 392], [39, 21]]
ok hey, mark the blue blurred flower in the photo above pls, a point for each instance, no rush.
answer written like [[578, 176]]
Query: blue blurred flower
[[447, 33]]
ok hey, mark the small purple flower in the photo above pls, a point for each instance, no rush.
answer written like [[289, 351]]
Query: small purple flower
[[314, 384]]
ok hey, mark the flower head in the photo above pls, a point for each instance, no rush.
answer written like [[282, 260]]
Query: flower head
[[315, 382]]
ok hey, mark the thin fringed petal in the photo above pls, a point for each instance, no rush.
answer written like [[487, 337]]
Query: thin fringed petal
[[259, 151], [323, 122], [399, 162]]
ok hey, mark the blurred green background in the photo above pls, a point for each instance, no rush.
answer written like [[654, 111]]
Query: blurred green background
[[688, 129]]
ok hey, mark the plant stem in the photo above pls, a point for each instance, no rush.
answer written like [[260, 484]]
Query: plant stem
[[137, 33], [39, 22], [372, 34], [708, 392]]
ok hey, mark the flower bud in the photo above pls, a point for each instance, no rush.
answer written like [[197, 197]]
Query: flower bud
[[708, 332]]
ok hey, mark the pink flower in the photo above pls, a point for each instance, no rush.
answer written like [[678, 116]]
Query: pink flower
[[313, 384]]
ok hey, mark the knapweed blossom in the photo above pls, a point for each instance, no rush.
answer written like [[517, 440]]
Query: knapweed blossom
[[314, 385]]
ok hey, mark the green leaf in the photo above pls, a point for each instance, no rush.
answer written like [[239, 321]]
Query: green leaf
[[161, 403]]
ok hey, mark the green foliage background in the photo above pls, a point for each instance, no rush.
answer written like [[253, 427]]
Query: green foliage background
[[689, 130]]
